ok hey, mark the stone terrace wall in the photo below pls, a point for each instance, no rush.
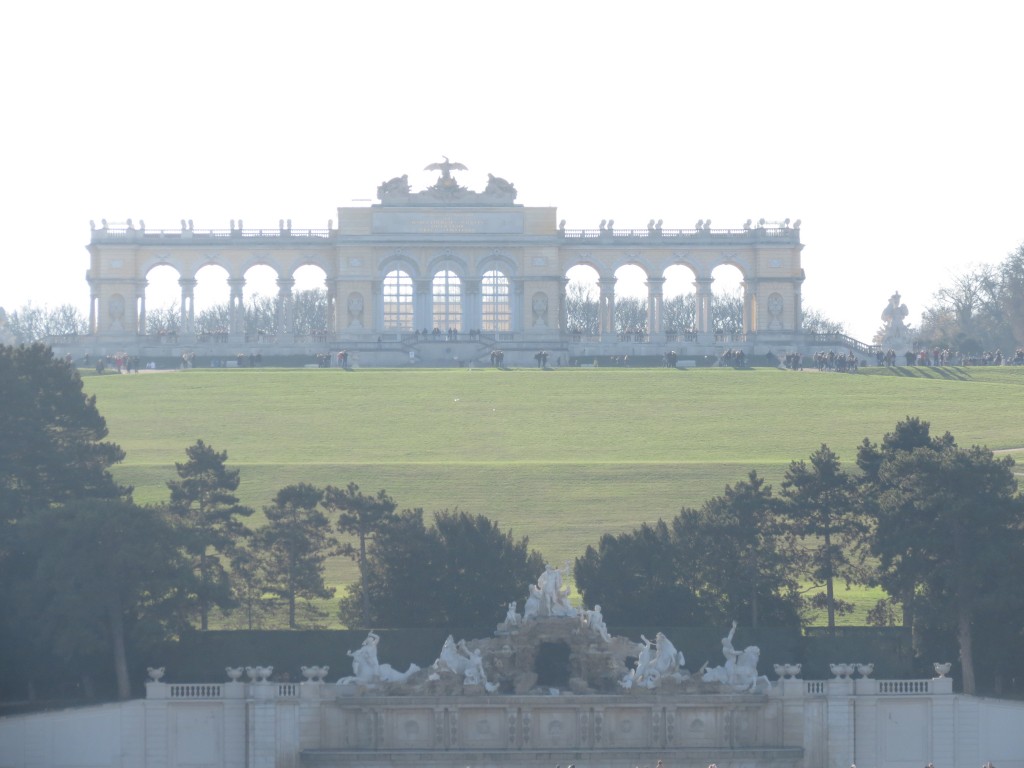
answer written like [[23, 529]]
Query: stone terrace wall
[[799, 723]]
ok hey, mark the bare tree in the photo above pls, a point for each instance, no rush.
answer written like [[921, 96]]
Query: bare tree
[[37, 323], [215, 319], [630, 315], [680, 313], [581, 308], [727, 312], [261, 315], [815, 321], [309, 311], [163, 319]]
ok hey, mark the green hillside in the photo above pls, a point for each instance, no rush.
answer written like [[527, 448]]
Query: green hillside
[[560, 456]]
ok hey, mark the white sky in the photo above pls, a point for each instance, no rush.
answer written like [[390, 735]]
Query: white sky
[[893, 130]]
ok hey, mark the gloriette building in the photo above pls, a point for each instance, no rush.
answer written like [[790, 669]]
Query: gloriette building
[[481, 268]]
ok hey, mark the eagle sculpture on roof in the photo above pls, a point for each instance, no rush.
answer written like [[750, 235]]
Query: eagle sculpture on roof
[[446, 167]]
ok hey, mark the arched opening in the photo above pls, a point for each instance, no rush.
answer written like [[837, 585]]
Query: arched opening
[[727, 303], [582, 296], [495, 303], [631, 318], [160, 315], [310, 311], [260, 294], [211, 318], [552, 664], [679, 306], [447, 302], [398, 301]]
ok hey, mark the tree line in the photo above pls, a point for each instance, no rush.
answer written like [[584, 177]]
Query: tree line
[[84, 568], [980, 310], [261, 315], [679, 313]]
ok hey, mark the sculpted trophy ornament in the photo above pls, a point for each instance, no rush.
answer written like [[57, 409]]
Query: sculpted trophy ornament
[[497, 186], [446, 190], [446, 186], [396, 187], [446, 168]]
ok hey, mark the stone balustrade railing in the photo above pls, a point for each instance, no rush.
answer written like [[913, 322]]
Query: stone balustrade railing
[[117, 233], [113, 232], [753, 233], [787, 688]]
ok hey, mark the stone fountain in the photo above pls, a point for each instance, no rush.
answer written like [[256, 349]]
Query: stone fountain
[[553, 686]]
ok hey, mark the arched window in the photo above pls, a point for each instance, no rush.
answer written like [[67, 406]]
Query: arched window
[[447, 301], [398, 301], [496, 311]]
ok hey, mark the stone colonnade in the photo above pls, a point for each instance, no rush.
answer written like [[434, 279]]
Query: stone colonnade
[[519, 247]]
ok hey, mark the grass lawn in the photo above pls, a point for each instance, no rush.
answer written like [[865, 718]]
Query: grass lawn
[[560, 456]]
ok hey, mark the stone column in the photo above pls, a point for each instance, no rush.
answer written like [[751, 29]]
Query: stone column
[[188, 310], [749, 292], [236, 306], [606, 308], [655, 299], [471, 318], [284, 305], [423, 304], [140, 309], [517, 306], [702, 301], [332, 307], [563, 311], [798, 310], [375, 309], [93, 301]]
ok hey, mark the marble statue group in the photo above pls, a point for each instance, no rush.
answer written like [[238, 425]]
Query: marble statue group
[[597, 660]]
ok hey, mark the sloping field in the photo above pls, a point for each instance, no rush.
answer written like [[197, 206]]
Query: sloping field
[[560, 456]]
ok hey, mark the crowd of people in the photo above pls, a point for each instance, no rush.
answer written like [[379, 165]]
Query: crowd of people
[[938, 356], [661, 764], [121, 362], [836, 361], [452, 334], [832, 361], [736, 358]]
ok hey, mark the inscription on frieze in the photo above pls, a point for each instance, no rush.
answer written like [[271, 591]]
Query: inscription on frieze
[[447, 223]]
